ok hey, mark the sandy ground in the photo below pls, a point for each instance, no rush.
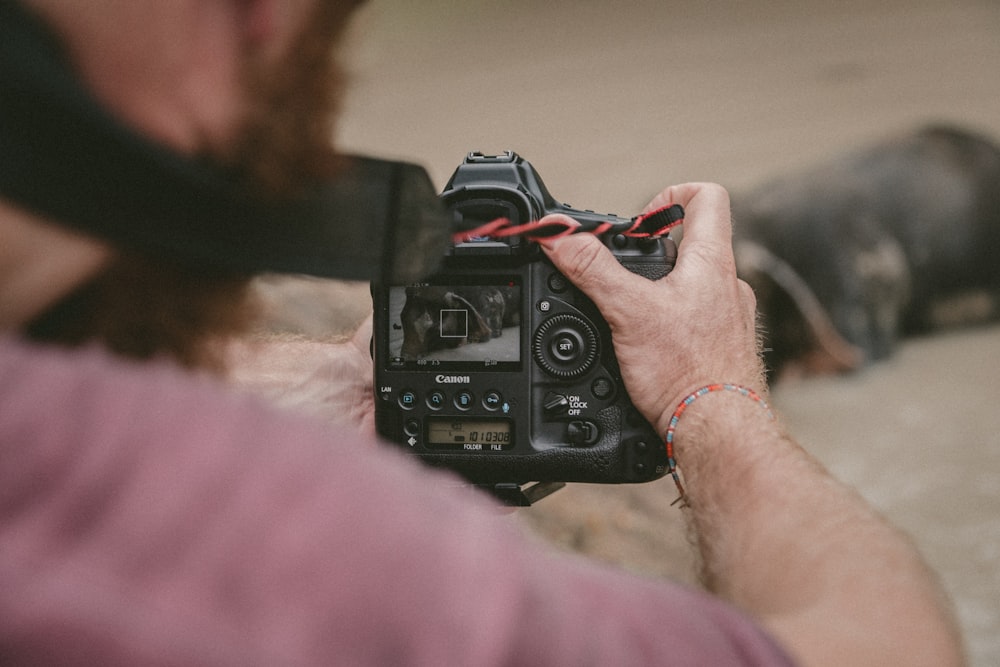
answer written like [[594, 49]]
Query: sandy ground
[[613, 101]]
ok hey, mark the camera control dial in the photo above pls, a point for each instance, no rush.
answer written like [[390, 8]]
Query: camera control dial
[[565, 346]]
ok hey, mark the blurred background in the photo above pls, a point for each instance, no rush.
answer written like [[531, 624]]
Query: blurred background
[[613, 101]]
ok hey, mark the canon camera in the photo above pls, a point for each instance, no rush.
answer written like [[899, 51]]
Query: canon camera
[[496, 366]]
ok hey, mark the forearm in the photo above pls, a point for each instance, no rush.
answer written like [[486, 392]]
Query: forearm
[[783, 539], [779, 536]]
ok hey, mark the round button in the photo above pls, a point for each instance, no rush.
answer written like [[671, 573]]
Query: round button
[[566, 345], [558, 283], [435, 400], [407, 399], [602, 388], [492, 401], [411, 427], [464, 400]]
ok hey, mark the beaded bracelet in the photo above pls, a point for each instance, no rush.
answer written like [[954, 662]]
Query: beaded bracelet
[[672, 426]]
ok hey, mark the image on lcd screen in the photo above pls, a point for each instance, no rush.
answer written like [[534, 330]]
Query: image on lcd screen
[[476, 324]]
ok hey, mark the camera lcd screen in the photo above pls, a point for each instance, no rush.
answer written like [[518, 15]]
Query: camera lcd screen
[[460, 326], [470, 434]]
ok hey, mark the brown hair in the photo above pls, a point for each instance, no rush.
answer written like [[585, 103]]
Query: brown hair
[[143, 308]]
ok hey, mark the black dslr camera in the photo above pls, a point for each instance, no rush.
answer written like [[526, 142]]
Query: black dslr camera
[[496, 366]]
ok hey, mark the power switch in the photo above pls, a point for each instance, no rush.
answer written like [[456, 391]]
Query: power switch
[[555, 404]]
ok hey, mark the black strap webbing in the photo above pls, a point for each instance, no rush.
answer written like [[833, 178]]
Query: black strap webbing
[[64, 156]]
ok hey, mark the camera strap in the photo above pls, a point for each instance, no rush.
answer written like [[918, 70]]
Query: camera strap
[[63, 155], [654, 224]]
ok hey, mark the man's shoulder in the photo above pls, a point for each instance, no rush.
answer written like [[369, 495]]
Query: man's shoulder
[[62, 405], [50, 384]]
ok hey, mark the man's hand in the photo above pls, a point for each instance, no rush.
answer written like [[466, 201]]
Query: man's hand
[[778, 536], [694, 327], [331, 380]]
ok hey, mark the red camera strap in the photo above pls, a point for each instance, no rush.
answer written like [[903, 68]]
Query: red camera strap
[[648, 225]]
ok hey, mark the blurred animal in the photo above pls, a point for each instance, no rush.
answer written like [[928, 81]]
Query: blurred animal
[[894, 239], [435, 318]]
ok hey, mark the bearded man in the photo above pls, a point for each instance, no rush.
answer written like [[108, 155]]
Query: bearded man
[[148, 516]]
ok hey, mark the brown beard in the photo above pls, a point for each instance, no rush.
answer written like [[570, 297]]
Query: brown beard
[[144, 307], [286, 141]]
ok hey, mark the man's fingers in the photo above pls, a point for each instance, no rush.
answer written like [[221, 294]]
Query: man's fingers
[[707, 219], [706, 246], [589, 265]]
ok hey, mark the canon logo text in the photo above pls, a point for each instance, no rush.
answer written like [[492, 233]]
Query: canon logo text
[[453, 379]]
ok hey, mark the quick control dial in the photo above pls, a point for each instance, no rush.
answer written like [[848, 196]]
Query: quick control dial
[[565, 346]]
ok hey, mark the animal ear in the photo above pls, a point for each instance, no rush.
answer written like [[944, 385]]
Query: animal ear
[[826, 350]]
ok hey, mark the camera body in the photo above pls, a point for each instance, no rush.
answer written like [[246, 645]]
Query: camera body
[[496, 366]]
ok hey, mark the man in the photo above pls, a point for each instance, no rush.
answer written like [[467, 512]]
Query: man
[[147, 517]]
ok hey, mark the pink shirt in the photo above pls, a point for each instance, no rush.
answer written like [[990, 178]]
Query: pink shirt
[[149, 517]]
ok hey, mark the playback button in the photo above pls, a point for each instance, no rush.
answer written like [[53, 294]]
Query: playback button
[[407, 399]]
